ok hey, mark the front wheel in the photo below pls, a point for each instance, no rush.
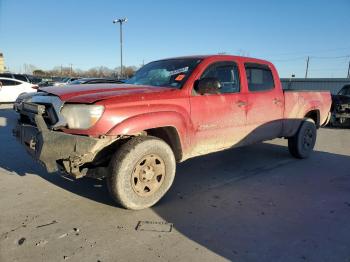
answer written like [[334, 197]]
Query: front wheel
[[303, 142], [142, 171]]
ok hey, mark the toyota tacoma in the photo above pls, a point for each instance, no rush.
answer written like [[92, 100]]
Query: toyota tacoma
[[134, 133]]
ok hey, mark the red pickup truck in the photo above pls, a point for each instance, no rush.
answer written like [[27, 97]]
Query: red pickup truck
[[171, 110]]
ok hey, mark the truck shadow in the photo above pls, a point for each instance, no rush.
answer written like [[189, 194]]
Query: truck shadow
[[274, 208]]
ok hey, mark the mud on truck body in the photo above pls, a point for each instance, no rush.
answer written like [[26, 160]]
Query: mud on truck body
[[133, 134]]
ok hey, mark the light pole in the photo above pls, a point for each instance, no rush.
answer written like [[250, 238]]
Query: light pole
[[307, 66], [121, 21]]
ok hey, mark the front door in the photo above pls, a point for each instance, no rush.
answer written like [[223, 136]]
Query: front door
[[219, 119]]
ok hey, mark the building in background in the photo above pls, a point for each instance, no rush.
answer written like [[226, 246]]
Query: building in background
[[331, 84], [2, 63]]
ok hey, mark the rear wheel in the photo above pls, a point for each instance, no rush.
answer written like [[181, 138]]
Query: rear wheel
[[303, 142], [142, 171]]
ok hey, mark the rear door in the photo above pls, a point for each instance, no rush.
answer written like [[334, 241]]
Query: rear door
[[265, 103], [219, 119]]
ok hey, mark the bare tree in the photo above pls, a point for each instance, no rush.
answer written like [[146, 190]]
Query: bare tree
[[65, 71], [129, 71]]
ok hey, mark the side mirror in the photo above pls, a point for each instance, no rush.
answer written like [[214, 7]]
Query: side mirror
[[209, 85]]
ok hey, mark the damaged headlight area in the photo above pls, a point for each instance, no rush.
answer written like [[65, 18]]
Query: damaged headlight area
[[80, 116]]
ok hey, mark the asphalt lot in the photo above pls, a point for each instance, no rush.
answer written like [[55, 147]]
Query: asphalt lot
[[247, 204]]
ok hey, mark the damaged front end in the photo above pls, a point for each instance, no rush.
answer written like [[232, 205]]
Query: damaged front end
[[56, 150], [341, 113]]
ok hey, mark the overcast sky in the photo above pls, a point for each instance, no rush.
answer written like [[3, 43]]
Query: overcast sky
[[50, 33]]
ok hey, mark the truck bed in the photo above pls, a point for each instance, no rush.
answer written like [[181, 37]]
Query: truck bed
[[301, 101]]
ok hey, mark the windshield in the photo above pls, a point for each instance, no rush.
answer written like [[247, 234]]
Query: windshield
[[165, 73], [345, 91]]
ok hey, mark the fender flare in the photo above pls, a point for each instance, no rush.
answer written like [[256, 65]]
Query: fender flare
[[315, 108], [138, 123]]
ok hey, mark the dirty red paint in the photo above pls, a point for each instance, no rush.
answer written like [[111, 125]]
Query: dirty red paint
[[205, 123]]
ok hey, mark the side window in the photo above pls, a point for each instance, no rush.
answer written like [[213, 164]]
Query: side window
[[9, 83], [259, 77], [6, 75], [21, 77], [227, 74]]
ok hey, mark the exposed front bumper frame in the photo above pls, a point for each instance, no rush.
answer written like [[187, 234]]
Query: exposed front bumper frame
[[342, 111], [56, 149]]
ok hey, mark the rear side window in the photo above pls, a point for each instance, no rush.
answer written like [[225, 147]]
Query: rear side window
[[227, 74], [6, 75], [259, 77], [9, 82]]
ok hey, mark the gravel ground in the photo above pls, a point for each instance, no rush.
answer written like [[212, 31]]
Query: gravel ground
[[247, 204]]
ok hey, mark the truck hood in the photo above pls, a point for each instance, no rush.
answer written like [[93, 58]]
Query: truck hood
[[90, 93]]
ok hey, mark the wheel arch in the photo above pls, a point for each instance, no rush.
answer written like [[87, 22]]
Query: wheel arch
[[170, 135], [314, 114], [171, 127]]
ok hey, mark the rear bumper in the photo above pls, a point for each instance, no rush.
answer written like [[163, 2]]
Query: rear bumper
[[57, 150]]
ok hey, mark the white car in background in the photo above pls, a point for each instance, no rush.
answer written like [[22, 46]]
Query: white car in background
[[11, 88]]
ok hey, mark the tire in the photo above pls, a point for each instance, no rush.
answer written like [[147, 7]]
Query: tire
[[142, 171], [302, 143]]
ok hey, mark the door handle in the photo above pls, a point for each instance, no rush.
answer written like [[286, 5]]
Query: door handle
[[241, 103], [277, 101]]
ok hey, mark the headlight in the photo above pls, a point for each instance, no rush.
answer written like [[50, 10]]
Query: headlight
[[81, 116]]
